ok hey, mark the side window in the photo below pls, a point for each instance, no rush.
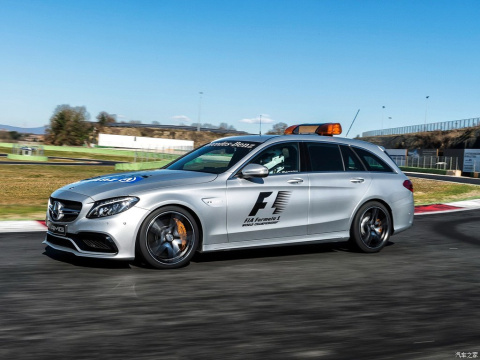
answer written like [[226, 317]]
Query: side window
[[372, 162], [324, 157], [279, 159], [351, 161]]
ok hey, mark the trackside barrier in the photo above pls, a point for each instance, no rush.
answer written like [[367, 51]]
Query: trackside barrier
[[427, 162], [439, 126]]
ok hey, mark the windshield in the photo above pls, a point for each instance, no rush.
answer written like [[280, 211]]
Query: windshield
[[214, 158]]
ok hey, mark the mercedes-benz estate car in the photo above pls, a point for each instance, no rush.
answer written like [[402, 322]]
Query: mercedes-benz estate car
[[238, 192]]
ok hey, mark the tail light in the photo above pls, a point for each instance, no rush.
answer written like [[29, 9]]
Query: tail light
[[408, 185]]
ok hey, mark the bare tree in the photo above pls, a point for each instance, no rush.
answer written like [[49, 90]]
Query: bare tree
[[277, 129], [105, 118]]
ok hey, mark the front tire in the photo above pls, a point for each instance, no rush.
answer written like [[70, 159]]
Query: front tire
[[168, 238], [371, 227]]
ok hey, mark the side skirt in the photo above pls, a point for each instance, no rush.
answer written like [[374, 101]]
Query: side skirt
[[330, 237]]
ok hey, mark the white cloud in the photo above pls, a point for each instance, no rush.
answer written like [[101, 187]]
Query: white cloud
[[181, 118], [265, 120]]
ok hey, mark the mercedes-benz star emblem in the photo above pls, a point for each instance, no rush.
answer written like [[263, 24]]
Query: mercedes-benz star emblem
[[57, 210]]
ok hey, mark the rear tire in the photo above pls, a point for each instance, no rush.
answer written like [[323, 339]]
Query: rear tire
[[371, 227], [168, 238]]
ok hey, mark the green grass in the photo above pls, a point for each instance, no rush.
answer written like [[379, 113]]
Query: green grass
[[84, 153], [434, 192], [424, 170], [92, 153], [25, 189]]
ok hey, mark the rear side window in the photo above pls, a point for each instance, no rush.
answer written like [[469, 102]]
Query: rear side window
[[372, 162], [324, 157], [351, 160]]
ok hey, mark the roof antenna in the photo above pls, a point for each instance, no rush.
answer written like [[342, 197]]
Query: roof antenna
[[260, 124], [352, 122]]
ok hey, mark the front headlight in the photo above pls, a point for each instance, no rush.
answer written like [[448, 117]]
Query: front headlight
[[111, 206]]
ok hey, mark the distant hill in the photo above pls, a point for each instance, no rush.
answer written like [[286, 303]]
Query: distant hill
[[36, 130]]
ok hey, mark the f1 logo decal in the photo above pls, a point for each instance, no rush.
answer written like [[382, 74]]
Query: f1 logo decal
[[260, 204], [279, 204]]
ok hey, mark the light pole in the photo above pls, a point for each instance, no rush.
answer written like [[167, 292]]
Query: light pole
[[383, 115], [426, 108], [199, 109]]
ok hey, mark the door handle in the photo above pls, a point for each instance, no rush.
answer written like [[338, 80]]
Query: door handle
[[295, 181], [357, 180]]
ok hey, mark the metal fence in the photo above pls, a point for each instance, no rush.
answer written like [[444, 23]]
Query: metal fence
[[25, 149], [428, 162], [439, 126]]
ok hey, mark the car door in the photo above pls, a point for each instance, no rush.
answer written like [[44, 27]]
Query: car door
[[338, 183], [272, 207]]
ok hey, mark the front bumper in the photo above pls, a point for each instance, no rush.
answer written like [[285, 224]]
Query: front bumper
[[111, 237]]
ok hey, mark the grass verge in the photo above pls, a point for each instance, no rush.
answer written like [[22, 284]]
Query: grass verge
[[423, 170], [25, 189], [434, 192]]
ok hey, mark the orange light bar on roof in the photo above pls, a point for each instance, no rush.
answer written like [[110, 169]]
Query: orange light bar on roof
[[290, 130], [328, 129]]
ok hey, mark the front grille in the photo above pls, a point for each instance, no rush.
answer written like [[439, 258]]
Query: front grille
[[86, 241], [64, 210]]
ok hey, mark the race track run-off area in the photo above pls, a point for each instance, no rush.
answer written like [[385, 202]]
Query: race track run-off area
[[416, 299]]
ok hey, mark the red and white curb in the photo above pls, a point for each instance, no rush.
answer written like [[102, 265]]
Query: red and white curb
[[34, 225], [447, 207], [22, 226]]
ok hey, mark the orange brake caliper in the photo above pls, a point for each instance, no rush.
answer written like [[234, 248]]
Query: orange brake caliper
[[182, 232]]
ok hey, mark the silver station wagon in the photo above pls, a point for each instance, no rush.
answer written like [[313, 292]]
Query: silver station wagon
[[238, 192]]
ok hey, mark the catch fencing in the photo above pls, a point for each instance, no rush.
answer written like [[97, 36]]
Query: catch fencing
[[24, 149], [438, 126], [428, 162]]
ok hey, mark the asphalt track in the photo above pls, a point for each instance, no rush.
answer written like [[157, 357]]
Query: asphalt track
[[417, 299]]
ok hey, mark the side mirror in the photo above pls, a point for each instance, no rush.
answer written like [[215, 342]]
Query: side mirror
[[254, 170]]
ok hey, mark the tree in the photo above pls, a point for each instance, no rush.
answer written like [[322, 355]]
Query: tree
[[105, 118], [277, 129], [14, 135], [225, 126], [155, 123], [69, 126]]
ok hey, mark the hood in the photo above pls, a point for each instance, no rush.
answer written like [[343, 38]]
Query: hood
[[124, 184]]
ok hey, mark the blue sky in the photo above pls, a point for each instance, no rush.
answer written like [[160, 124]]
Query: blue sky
[[291, 61]]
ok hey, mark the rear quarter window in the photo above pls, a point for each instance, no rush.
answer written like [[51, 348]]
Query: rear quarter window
[[371, 161], [351, 160]]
